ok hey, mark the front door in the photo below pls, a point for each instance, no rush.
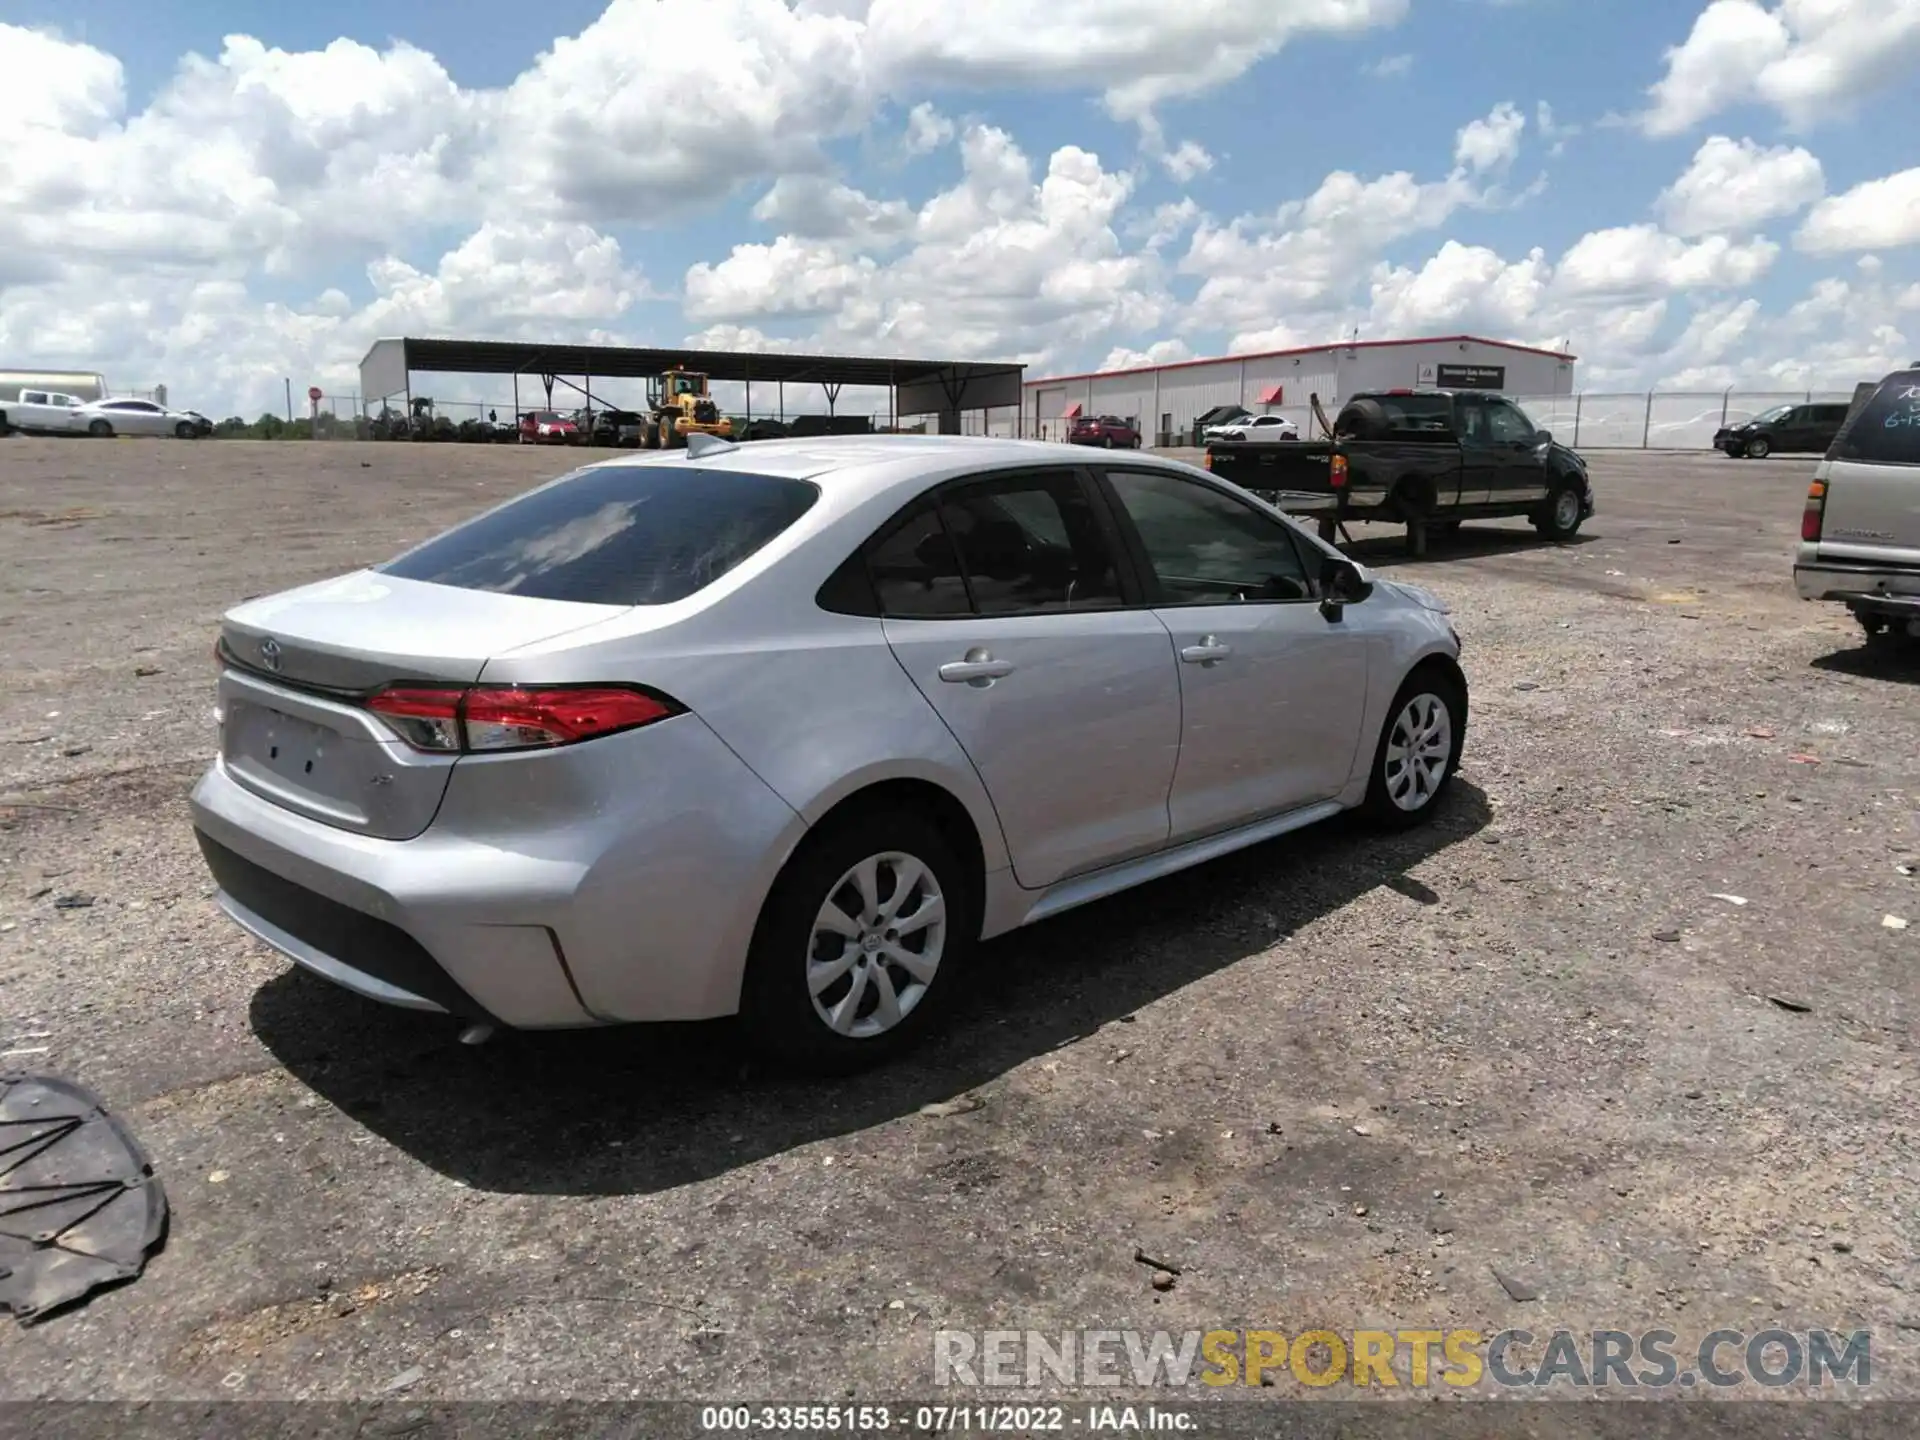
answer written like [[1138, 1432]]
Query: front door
[[1515, 457], [1003, 603], [1272, 689]]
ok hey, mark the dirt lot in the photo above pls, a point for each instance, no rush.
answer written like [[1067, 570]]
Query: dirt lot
[[1336, 1080]]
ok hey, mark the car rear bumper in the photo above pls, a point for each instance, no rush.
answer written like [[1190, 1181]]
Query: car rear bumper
[[608, 882], [1859, 586]]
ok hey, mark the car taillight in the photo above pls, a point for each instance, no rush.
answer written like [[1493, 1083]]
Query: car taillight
[[1208, 460], [487, 719], [425, 719], [1815, 513], [1337, 471]]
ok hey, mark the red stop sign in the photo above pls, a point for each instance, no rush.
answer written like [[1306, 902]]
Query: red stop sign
[[316, 394]]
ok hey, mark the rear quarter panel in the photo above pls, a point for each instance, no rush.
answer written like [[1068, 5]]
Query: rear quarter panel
[[1376, 469]]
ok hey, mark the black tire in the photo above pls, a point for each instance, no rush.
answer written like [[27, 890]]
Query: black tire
[[777, 1004], [100, 428], [1363, 420], [185, 431], [1433, 681], [1560, 518], [1106, 442], [1759, 448]]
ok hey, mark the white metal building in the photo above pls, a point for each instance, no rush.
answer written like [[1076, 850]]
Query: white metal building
[[1165, 400]]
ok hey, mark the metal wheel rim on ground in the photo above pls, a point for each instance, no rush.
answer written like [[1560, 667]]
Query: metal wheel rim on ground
[[1566, 510], [876, 945], [1418, 749]]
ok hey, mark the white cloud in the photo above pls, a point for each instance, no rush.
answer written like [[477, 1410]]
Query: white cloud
[[999, 264], [1187, 160], [1808, 59], [1139, 52], [1389, 67], [790, 277], [1462, 288], [1876, 215], [1161, 352], [1633, 260], [660, 105], [1492, 141], [927, 129], [1737, 185], [1303, 261], [815, 207]]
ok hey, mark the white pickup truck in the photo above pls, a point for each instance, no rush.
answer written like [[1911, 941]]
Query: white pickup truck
[[41, 412]]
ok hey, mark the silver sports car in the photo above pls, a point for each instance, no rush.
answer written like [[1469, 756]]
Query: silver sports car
[[785, 729]]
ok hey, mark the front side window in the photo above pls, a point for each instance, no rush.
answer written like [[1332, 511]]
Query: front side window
[[614, 535], [1207, 548], [1507, 425], [1776, 416]]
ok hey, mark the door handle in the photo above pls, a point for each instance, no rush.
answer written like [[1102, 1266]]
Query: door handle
[[1208, 652], [979, 669]]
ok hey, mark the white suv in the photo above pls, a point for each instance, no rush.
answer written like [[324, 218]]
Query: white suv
[[1860, 536]]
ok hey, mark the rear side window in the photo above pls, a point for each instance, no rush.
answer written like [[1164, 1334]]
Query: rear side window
[[915, 569], [1025, 544], [1887, 429], [614, 535]]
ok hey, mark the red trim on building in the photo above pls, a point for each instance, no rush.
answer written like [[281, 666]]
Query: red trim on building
[[1072, 412], [1271, 395], [1309, 350]]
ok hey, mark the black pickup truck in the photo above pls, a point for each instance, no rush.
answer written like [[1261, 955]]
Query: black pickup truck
[[1425, 459]]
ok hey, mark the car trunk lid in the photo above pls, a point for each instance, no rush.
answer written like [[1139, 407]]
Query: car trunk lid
[[299, 666]]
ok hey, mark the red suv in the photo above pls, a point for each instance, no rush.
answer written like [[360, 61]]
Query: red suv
[[1109, 432]]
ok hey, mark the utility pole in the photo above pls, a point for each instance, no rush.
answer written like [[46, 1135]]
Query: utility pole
[[289, 400]]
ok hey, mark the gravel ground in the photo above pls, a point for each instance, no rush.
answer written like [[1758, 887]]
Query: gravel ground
[[1337, 1080]]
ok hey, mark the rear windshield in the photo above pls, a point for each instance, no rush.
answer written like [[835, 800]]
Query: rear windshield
[[614, 535], [1887, 429]]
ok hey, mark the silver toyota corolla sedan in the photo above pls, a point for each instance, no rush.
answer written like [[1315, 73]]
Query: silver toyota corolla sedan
[[785, 729]]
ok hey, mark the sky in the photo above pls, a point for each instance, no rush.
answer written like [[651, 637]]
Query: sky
[[222, 195]]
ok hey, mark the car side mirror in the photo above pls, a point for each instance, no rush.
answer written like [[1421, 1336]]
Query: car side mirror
[[1342, 583], [1543, 437]]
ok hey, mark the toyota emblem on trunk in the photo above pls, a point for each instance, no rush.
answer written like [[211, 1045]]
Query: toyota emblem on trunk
[[270, 653]]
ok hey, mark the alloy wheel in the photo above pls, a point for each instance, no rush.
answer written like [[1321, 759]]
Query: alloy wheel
[[876, 945], [1418, 751]]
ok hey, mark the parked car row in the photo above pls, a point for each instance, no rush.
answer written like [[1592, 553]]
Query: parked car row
[[50, 412]]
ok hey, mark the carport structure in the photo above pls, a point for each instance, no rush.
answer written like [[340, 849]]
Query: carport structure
[[946, 388]]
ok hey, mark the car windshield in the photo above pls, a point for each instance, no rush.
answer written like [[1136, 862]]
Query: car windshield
[[1767, 417], [614, 535]]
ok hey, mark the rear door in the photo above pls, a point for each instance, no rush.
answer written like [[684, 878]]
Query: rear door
[[1272, 691], [1003, 601], [1872, 513]]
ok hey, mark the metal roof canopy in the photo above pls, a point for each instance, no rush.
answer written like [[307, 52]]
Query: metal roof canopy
[[923, 386]]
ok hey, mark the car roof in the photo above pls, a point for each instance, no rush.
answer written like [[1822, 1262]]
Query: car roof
[[861, 466]]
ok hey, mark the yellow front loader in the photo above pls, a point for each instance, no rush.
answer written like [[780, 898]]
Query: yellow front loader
[[680, 405]]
